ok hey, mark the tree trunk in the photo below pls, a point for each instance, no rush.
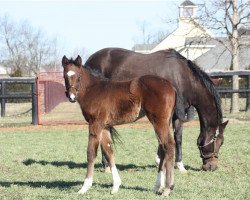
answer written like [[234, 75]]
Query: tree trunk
[[235, 57]]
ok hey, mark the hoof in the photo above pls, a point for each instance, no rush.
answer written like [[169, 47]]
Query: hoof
[[107, 170], [180, 167], [166, 192], [83, 190], [86, 186], [115, 189], [159, 190]]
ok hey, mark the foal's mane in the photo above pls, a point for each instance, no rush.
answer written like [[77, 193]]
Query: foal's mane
[[206, 81]]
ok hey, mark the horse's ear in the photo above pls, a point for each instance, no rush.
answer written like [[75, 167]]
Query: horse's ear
[[78, 61], [223, 125], [65, 61]]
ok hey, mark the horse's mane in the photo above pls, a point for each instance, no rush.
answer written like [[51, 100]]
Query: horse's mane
[[207, 82], [95, 73]]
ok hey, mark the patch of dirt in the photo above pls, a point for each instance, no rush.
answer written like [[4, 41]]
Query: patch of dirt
[[143, 123]]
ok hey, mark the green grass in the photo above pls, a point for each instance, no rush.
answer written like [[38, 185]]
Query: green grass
[[51, 164]]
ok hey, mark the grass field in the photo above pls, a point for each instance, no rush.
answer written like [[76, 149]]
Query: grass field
[[49, 162]]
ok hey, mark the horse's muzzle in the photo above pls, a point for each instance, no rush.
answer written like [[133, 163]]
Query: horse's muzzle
[[210, 164]]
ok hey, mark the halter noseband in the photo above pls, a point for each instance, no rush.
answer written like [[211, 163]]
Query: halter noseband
[[73, 86], [213, 140]]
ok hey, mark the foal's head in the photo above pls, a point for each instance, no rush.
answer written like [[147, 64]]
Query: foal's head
[[71, 73], [209, 149]]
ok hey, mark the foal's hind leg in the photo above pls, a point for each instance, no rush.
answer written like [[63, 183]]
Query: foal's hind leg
[[95, 131], [106, 143], [166, 151]]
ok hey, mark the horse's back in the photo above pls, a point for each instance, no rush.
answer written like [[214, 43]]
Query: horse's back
[[123, 64]]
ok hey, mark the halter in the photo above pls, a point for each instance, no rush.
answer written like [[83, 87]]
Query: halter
[[73, 86], [213, 140]]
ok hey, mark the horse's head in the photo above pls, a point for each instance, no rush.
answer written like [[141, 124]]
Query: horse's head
[[71, 74], [209, 146]]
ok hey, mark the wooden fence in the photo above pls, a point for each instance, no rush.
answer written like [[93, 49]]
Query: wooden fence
[[242, 74], [4, 95], [33, 94]]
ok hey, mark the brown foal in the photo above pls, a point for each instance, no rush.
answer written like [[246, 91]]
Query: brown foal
[[108, 103]]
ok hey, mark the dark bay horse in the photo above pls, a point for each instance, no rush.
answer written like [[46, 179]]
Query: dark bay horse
[[108, 103], [194, 87]]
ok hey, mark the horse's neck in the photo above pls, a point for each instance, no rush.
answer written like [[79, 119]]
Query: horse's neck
[[207, 112]]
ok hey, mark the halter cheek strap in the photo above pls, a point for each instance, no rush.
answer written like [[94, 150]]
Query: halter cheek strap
[[74, 87], [213, 140]]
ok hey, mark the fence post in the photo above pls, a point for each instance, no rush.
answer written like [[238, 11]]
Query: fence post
[[34, 104], [3, 101], [248, 95]]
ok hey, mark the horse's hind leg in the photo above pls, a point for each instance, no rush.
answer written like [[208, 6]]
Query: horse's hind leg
[[106, 143], [178, 126], [95, 131]]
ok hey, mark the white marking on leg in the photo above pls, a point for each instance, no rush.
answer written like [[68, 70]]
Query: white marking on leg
[[157, 160], [116, 180], [160, 182], [70, 73], [180, 166], [86, 186]]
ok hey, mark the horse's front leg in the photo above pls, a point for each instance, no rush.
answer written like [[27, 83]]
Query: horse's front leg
[[178, 126], [93, 143]]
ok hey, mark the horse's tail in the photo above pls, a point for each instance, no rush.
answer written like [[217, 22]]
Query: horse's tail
[[115, 136], [180, 108]]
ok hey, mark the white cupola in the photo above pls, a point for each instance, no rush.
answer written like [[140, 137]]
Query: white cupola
[[187, 10]]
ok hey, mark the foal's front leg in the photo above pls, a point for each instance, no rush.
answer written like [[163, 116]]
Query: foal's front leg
[[93, 143]]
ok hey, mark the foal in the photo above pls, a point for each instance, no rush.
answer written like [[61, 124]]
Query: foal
[[108, 103]]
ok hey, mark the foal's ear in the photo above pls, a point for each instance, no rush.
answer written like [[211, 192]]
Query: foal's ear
[[78, 61], [65, 61]]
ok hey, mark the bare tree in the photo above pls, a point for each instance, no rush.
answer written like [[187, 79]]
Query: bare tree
[[149, 37], [226, 17], [24, 48]]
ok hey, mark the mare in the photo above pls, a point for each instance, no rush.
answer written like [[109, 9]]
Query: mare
[[108, 103], [194, 87]]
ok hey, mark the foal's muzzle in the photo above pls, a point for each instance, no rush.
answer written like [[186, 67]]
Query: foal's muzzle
[[70, 95]]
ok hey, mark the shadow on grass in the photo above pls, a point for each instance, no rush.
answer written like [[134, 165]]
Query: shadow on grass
[[189, 168], [39, 184], [63, 185], [137, 188], [69, 164], [73, 165]]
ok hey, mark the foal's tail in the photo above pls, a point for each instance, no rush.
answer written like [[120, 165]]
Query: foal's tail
[[115, 136]]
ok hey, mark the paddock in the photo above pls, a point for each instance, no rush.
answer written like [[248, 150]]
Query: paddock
[[49, 162]]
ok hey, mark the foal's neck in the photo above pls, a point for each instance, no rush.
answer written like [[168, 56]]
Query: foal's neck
[[87, 79]]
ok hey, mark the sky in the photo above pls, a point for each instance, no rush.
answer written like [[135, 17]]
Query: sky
[[93, 24]]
